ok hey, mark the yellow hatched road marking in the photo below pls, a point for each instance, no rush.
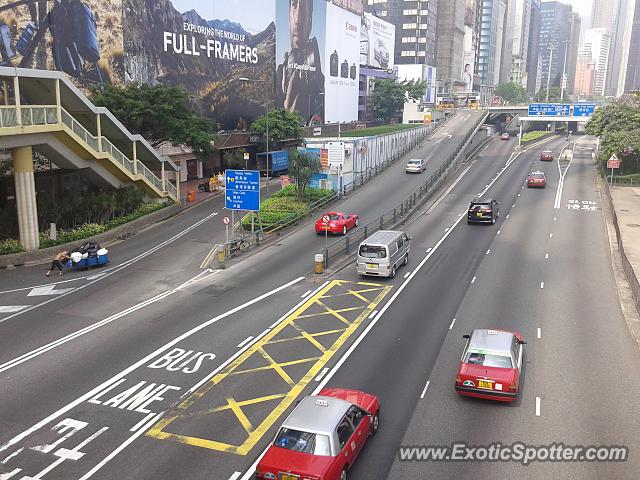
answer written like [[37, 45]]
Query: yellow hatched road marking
[[292, 389]]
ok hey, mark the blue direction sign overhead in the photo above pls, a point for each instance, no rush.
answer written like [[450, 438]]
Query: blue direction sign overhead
[[548, 109], [583, 109], [242, 189]]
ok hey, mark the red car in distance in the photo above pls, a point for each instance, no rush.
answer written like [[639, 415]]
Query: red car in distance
[[339, 223], [322, 437], [537, 180], [490, 365], [546, 156]]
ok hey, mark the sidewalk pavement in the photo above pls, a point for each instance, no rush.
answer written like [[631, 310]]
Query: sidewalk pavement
[[192, 185], [626, 204]]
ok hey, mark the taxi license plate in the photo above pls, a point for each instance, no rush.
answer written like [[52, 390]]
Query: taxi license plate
[[485, 384], [289, 476], [372, 265], [479, 214]]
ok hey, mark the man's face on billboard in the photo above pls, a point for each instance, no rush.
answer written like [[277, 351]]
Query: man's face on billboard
[[300, 12]]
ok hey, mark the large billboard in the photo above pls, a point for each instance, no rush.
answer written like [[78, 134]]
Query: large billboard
[[377, 42], [222, 51], [342, 55], [421, 73], [80, 38]]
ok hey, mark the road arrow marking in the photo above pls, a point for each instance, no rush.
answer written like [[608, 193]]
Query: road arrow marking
[[12, 308], [48, 290]]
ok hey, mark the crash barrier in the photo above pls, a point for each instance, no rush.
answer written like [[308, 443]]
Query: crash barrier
[[400, 212], [627, 267]]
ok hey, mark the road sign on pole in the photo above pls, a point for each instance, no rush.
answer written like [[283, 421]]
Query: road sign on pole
[[612, 163], [242, 190]]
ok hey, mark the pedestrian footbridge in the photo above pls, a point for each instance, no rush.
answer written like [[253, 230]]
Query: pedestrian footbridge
[[43, 111]]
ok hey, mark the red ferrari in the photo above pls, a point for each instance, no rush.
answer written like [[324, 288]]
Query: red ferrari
[[338, 222], [322, 436], [490, 365]]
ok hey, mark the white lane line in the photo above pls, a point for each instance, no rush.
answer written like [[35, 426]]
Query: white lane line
[[541, 284], [506, 216], [513, 206], [518, 194], [116, 269], [473, 280], [452, 323], [546, 256], [235, 476], [488, 252], [539, 333], [407, 274], [425, 389], [142, 362], [12, 308], [249, 473], [498, 232], [428, 249], [538, 401], [305, 293], [446, 229], [551, 235], [322, 373], [373, 314], [554, 219], [142, 422], [43, 285], [558, 199], [245, 341]]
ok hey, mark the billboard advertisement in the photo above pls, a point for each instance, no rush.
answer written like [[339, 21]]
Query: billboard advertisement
[[421, 73], [377, 42], [467, 71], [301, 67], [205, 46], [342, 55], [80, 38], [356, 6]]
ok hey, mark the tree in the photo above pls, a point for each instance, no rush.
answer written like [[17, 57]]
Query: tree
[[554, 95], [159, 113], [283, 125], [513, 93], [302, 167], [389, 96], [618, 126]]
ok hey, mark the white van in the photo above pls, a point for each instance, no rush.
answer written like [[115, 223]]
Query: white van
[[382, 253]]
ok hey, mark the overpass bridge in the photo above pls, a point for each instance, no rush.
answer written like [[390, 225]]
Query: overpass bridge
[[43, 111]]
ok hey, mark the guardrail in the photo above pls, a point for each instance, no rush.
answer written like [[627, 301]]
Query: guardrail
[[402, 210]]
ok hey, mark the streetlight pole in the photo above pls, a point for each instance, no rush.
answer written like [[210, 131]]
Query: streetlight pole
[[549, 74], [564, 69]]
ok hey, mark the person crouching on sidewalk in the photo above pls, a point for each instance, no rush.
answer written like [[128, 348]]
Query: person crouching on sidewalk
[[58, 262]]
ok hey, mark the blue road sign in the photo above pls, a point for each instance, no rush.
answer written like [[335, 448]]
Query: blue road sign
[[548, 109], [583, 109], [242, 189]]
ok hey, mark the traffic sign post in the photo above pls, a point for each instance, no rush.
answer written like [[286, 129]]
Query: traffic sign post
[[548, 110], [242, 192], [583, 109], [226, 221], [326, 219], [612, 163]]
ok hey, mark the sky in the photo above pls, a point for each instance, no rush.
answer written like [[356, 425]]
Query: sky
[[583, 7], [254, 15]]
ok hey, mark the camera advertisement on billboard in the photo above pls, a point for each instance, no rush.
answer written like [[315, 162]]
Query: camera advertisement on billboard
[[81, 38], [301, 69], [342, 55], [377, 42], [222, 51]]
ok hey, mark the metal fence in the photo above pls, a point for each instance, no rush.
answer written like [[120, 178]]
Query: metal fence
[[395, 215]]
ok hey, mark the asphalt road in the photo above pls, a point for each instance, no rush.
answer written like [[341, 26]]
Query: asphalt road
[[105, 338]]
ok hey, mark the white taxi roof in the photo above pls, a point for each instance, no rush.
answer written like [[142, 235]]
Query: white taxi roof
[[317, 414]]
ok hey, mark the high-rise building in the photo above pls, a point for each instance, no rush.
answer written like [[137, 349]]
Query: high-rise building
[[555, 35], [534, 60], [572, 51], [585, 76], [450, 43], [632, 77], [415, 23], [506, 52], [597, 42], [520, 48], [491, 40]]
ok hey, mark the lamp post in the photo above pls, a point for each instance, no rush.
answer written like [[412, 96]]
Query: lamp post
[[266, 107], [564, 69], [549, 74]]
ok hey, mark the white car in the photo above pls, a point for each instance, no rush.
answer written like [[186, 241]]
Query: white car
[[416, 165]]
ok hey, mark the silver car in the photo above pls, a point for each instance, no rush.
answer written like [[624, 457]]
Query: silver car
[[416, 165]]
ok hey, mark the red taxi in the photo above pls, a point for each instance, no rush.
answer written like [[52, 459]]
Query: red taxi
[[537, 180], [322, 436], [336, 222], [546, 156], [490, 365]]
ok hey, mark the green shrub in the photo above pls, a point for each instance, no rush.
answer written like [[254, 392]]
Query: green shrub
[[10, 246], [633, 179], [536, 134]]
